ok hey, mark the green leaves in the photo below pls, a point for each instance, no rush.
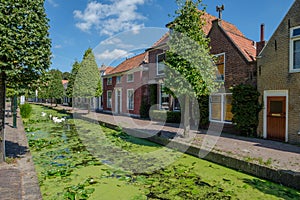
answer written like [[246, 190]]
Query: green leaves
[[87, 82], [25, 44], [245, 108]]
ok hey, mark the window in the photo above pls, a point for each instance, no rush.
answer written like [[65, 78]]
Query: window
[[109, 99], [176, 104], [295, 50], [160, 63], [109, 81], [130, 99], [118, 79], [220, 107], [164, 99], [130, 78], [220, 63]]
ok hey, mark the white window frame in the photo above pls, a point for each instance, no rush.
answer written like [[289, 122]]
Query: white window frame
[[158, 63], [292, 40], [222, 108], [276, 93], [109, 82], [160, 97], [129, 81], [116, 99], [130, 90], [107, 99], [217, 55], [118, 79]]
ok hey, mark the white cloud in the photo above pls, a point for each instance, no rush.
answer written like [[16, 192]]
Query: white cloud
[[114, 54], [52, 3], [58, 46], [117, 42], [109, 19]]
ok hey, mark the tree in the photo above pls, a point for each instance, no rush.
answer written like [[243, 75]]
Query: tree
[[24, 48], [190, 72], [87, 82], [56, 88], [72, 78], [66, 75]]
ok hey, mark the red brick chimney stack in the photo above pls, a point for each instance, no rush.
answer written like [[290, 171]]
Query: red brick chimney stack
[[262, 32], [261, 44]]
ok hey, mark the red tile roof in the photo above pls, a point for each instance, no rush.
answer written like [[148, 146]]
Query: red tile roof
[[246, 46], [106, 69], [64, 81], [130, 63]]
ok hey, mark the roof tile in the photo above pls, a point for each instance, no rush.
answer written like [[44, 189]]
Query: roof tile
[[129, 64]]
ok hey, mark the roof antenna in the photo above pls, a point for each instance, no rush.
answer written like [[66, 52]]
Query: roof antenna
[[220, 9]]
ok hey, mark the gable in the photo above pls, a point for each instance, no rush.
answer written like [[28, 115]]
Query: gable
[[280, 37]]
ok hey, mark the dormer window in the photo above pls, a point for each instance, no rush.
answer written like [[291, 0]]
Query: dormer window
[[295, 49]]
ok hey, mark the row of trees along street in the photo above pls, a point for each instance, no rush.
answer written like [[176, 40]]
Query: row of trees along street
[[24, 50], [25, 58]]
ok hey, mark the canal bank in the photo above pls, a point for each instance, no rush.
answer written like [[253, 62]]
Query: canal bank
[[18, 179]]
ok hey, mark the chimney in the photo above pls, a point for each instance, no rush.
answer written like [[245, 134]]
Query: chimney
[[261, 44], [262, 32]]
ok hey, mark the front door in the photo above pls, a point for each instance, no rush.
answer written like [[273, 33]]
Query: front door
[[276, 118], [118, 101]]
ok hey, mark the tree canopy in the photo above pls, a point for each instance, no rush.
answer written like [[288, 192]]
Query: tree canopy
[[25, 44], [72, 78], [87, 80], [190, 72], [24, 48]]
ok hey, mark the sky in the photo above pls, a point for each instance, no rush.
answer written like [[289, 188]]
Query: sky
[[119, 29]]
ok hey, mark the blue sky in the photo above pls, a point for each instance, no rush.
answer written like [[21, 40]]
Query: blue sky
[[116, 29]]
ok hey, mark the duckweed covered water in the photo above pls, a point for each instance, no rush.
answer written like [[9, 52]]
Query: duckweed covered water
[[74, 160]]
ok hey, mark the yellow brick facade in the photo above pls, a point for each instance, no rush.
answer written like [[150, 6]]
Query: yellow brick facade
[[274, 72]]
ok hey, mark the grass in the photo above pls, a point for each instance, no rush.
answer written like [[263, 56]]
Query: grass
[[82, 160], [259, 160]]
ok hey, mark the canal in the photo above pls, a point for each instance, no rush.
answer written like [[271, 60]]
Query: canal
[[76, 159]]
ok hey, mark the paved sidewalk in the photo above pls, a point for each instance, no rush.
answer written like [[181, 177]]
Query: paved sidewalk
[[272, 154], [18, 179]]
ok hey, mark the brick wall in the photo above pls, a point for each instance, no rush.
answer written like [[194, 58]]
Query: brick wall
[[237, 69], [273, 71]]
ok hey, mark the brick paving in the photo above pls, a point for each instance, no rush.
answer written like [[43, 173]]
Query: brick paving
[[18, 179]]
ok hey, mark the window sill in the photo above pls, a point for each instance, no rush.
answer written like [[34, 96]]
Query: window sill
[[223, 122], [294, 70]]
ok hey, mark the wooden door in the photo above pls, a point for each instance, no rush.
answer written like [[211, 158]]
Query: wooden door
[[276, 118]]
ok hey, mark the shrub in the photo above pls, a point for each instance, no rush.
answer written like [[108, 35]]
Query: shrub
[[144, 109], [204, 110], [25, 110], [245, 109], [168, 116]]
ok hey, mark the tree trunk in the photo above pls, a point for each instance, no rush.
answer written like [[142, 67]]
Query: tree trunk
[[2, 116], [186, 121], [89, 105]]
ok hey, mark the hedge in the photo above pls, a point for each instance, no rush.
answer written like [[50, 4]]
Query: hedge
[[161, 115]]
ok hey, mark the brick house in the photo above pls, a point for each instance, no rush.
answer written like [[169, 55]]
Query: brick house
[[236, 64], [98, 101], [278, 80], [124, 88]]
